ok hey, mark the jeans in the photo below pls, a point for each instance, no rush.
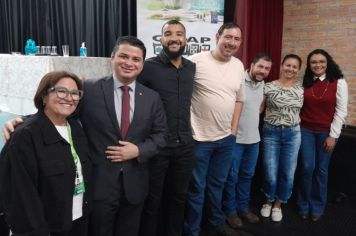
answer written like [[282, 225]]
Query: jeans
[[170, 173], [213, 162], [280, 149], [238, 184], [312, 193]]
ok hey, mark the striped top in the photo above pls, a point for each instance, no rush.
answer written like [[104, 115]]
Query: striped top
[[283, 104]]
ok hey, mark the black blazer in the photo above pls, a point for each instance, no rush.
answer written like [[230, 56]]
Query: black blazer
[[147, 131], [38, 174]]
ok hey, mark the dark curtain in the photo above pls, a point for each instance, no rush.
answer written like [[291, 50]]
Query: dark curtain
[[100, 22], [20, 20], [229, 10], [262, 25], [58, 22]]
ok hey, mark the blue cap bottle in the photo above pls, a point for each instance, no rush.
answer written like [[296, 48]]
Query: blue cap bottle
[[83, 50]]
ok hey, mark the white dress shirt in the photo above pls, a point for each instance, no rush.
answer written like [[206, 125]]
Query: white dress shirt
[[340, 109], [118, 98]]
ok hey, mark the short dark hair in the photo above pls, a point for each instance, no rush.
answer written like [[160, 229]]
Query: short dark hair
[[333, 71], [130, 40], [48, 81], [173, 22], [293, 56], [261, 56], [229, 25]]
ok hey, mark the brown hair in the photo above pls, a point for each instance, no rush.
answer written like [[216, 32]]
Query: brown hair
[[293, 56], [48, 81], [228, 25]]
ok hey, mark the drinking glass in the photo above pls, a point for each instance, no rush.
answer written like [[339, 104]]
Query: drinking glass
[[65, 50], [43, 50], [54, 50]]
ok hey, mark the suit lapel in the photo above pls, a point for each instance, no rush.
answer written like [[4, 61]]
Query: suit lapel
[[108, 91], [139, 102]]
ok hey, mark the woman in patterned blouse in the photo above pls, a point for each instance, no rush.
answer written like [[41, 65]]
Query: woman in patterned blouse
[[281, 136]]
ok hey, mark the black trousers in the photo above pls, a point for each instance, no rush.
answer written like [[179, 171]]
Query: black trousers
[[170, 173], [79, 228], [4, 228], [115, 216]]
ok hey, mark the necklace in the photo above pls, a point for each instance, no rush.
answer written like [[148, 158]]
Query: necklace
[[285, 84], [320, 97]]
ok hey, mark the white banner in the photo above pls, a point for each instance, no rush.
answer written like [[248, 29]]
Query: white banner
[[201, 18]]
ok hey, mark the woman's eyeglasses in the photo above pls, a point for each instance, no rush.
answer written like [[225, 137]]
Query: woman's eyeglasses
[[63, 93]]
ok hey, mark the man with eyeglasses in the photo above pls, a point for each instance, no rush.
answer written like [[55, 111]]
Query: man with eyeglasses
[[125, 124]]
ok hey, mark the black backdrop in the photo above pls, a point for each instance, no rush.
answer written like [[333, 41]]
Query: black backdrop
[[58, 22]]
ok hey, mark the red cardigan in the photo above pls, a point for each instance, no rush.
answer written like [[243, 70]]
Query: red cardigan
[[319, 105]]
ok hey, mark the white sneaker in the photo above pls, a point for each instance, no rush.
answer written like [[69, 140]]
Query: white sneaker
[[277, 214], [266, 210]]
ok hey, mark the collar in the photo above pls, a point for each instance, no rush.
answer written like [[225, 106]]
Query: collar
[[247, 76], [47, 128], [215, 57], [164, 58], [118, 83], [321, 78], [250, 81]]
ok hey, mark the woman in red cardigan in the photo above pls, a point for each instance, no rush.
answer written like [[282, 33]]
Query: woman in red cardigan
[[322, 116]]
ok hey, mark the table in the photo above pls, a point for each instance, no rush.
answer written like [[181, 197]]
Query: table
[[20, 76]]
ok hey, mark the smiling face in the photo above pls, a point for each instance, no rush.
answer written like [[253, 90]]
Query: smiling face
[[260, 70], [127, 63], [228, 43], [173, 40], [58, 109], [318, 64], [290, 68]]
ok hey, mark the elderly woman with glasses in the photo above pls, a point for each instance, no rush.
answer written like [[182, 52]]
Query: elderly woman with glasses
[[45, 165]]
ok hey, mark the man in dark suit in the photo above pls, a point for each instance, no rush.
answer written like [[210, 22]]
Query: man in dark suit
[[120, 172], [120, 167]]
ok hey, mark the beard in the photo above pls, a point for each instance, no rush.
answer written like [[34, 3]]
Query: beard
[[257, 79], [173, 55]]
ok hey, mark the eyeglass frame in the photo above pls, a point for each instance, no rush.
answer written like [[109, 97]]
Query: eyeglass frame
[[321, 62], [67, 92]]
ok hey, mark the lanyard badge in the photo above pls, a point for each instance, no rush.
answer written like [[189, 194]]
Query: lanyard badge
[[79, 182]]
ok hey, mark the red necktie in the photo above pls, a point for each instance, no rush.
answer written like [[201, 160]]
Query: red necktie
[[125, 111]]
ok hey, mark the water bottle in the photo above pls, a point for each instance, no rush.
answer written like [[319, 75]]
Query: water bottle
[[83, 50]]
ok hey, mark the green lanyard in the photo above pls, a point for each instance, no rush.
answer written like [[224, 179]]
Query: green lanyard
[[72, 149], [79, 184]]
